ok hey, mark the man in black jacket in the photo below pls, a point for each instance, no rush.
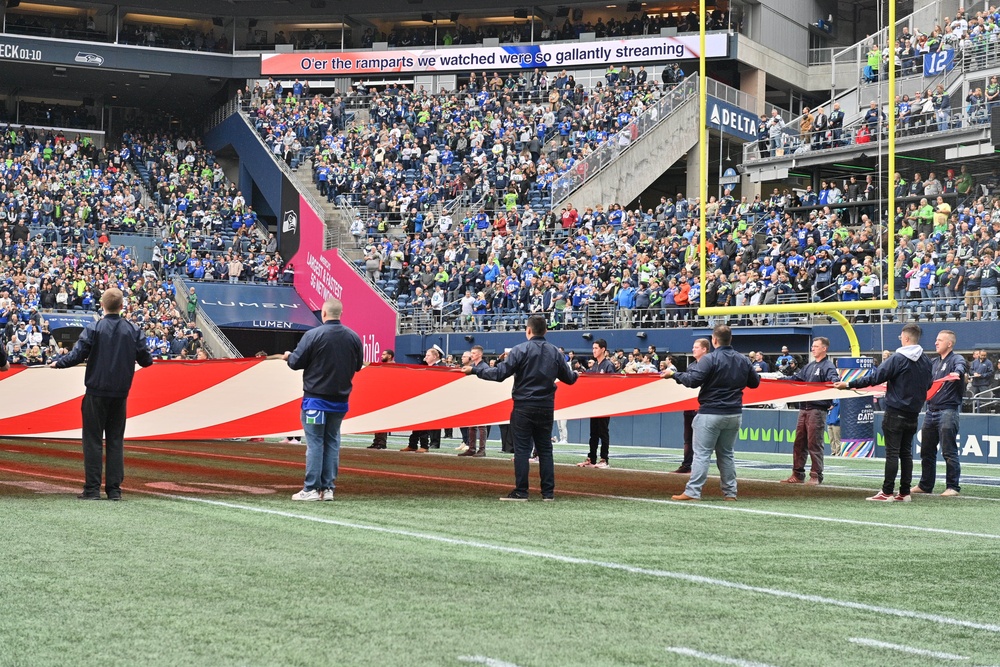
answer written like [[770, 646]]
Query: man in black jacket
[[941, 419], [328, 356], [722, 375], [907, 374], [111, 347], [812, 417], [600, 433], [535, 365]]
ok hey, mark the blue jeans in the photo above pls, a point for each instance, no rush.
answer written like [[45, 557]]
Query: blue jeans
[[532, 428], [989, 297], [714, 433], [322, 450], [940, 427]]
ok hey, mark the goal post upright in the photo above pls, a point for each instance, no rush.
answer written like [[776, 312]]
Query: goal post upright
[[832, 309]]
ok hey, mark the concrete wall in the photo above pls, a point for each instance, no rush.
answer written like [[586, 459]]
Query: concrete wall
[[645, 160]]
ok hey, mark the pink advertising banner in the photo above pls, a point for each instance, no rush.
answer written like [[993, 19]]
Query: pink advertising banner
[[321, 274]]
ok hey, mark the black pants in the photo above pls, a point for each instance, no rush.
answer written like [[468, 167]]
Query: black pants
[[898, 429], [506, 438], [599, 432], [103, 425], [688, 438], [532, 427], [380, 439]]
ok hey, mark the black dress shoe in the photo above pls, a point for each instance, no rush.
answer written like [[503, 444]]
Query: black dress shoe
[[117, 496], [88, 496]]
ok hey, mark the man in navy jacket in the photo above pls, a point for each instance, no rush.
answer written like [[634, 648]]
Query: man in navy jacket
[[941, 419], [111, 347], [722, 376]]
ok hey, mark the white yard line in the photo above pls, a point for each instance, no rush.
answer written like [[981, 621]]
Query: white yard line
[[483, 660], [805, 517], [718, 659], [621, 567], [874, 643]]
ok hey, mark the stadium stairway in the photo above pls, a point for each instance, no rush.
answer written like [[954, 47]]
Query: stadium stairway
[[337, 218], [644, 159]]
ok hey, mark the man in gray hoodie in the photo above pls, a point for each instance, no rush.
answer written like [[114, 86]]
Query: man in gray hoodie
[[907, 374]]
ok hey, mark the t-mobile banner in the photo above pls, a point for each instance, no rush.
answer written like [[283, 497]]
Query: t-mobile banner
[[321, 274], [857, 415], [644, 50]]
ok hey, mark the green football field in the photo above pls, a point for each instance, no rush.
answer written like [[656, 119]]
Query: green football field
[[209, 562]]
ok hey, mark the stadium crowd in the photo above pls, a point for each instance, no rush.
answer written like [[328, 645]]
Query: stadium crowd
[[510, 254], [497, 142], [642, 266], [62, 199]]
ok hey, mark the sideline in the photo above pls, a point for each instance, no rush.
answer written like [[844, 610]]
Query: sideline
[[583, 494], [483, 660], [587, 494]]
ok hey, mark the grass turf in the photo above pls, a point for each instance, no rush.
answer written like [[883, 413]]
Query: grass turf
[[264, 581]]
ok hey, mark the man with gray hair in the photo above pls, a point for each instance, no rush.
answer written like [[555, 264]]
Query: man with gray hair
[[328, 356]]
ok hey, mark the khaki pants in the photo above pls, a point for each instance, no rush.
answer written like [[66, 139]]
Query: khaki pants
[[833, 430]]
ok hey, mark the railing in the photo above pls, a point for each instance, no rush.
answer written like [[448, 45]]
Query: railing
[[822, 56], [959, 115], [223, 112], [310, 197], [607, 315], [215, 340], [614, 146], [731, 95], [378, 290], [853, 56]]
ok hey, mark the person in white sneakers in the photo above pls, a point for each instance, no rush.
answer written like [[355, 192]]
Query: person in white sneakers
[[328, 356], [907, 374]]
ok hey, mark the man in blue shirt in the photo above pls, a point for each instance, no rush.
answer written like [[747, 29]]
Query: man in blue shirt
[[941, 419]]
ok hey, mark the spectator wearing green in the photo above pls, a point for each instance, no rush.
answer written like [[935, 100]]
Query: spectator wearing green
[[925, 217]]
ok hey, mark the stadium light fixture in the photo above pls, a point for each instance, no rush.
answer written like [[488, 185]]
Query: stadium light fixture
[[470, 339], [588, 336], [641, 335]]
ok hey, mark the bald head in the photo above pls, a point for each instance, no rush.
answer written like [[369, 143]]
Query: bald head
[[332, 309]]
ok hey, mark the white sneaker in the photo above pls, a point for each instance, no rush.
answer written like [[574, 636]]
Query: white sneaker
[[462, 448], [562, 442], [307, 495], [327, 494], [292, 441]]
